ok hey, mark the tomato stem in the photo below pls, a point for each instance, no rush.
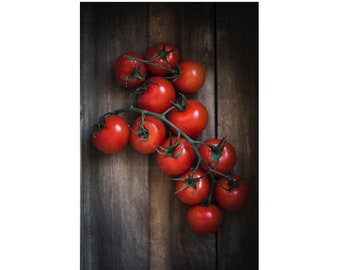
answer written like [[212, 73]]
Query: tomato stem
[[149, 62], [162, 116], [135, 74], [209, 198]]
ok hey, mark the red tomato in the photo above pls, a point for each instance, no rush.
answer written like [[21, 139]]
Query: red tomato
[[192, 120], [204, 219], [158, 96], [164, 56], [178, 156], [113, 136], [221, 159], [194, 189], [146, 137], [191, 78], [233, 199], [130, 73]]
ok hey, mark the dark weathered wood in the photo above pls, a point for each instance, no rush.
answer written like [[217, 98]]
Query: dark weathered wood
[[130, 217], [172, 244], [237, 117], [115, 198], [162, 27], [196, 32]]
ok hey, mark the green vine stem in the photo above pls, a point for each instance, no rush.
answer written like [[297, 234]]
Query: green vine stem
[[175, 71], [212, 172]]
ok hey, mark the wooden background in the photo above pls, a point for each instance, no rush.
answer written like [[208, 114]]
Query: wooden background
[[130, 218]]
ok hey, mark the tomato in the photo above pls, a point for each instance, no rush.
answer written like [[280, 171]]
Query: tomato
[[221, 158], [175, 155], [204, 219], [233, 199], [158, 96], [195, 188], [112, 135], [192, 120], [191, 77], [163, 57], [130, 73], [146, 137]]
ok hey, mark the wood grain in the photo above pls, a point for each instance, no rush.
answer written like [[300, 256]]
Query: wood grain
[[114, 196], [196, 32], [130, 217], [162, 22], [237, 114]]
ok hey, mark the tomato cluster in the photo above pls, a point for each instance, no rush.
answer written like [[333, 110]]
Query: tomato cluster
[[167, 125]]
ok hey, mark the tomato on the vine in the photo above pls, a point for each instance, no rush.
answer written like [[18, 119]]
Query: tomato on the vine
[[130, 72], [175, 155], [219, 154], [231, 199], [195, 188], [163, 57], [158, 95], [111, 135], [191, 77], [146, 134], [204, 219], [192, 120]]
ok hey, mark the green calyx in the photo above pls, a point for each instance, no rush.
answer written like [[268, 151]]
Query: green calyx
[[216, 151], [232, 183], [171, 149], [190, 181], [143, 132], [162, 53], [136, 74], [181, 102], [100, 124]]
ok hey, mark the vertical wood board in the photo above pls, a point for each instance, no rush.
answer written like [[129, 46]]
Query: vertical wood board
[[237, 114], [115, 198]]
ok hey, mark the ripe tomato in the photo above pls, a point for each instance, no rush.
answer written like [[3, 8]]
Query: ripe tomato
[[195, 188], [191, 78], [164, 55], [130, 73], [204, 219], [145, 137], [113, 136], [175, 155], [233, 199], [221, 158], [192, 120], [158, 96]]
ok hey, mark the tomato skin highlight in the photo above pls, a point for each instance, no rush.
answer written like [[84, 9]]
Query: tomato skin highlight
[[113, 137], [231, 200], [124, 67], [156, 134], [192, 121], [172, 57], [192, 77], [204, 219], [226, 161], [176, 165], [189, 195], [158, 96]]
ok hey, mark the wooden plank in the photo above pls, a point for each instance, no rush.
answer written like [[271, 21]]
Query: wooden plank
[[178, 247], [237, 114], [196, 29], [173, 244], [162, 22], [114, 187]]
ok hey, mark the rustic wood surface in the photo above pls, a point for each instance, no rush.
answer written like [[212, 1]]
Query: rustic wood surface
[[130, 218]]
